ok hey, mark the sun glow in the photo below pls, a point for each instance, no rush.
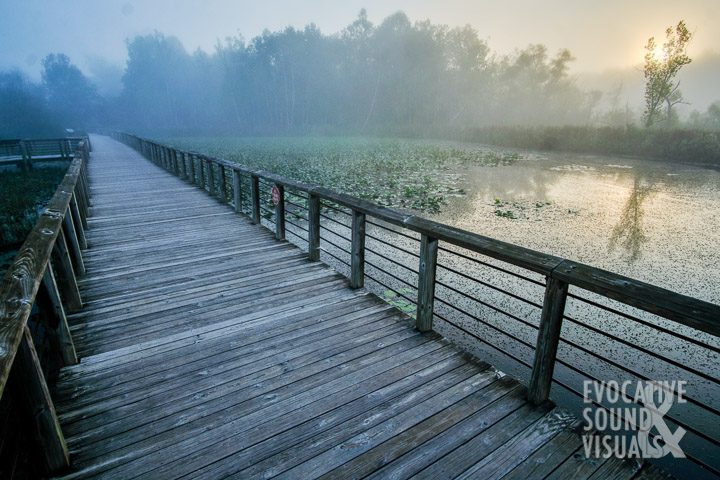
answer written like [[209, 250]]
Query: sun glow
[[657, 53]]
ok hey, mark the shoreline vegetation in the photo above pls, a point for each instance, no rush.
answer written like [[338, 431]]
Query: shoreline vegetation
[[421, 172], [683, 146], [25, 194]]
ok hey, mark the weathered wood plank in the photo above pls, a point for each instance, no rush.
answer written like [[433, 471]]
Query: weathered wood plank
[[427, 429], [521, 446], [160, 454], [547, 458], [67, 347], [488, 441], [70, 234], [314, 227], [68, 283], [426, 283], [46, 426], [214, 355], [22, 280], [134, 426], [547, 340], [237, 191], [703, 316], [77, 221], [357, 250], [280, 213], [296, 445], [255, 198]]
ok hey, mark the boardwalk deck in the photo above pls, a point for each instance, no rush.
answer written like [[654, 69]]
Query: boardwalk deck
[[211, 350]]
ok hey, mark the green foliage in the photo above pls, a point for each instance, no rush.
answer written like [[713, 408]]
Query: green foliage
[[24, 194], [413, 174], [398, 300], [379, 79], [72, 97], [24, 112], [674, 145], [661, 68]]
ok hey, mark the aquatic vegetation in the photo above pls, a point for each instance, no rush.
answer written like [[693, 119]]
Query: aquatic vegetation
[[397, 300], [505, 214], [413, 174], [24, 194]]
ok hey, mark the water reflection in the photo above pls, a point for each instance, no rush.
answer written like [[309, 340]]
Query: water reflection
[[655, 221], [629, 233]]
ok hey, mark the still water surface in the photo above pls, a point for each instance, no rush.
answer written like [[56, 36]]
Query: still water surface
[[653, 221]]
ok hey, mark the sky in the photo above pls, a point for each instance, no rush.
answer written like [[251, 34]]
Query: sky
[[601, 34]]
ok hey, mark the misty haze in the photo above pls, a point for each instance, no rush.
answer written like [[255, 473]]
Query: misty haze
[[218, 219]]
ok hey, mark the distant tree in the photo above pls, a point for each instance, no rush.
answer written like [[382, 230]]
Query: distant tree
[[708, 120], [70, 94], [662, 65], [23, 109]]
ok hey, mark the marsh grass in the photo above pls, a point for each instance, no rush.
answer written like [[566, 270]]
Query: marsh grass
[[24, 194], [413, 174], [679, 145]]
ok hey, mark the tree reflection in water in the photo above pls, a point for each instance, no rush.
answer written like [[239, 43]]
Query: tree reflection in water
[[628, 233]]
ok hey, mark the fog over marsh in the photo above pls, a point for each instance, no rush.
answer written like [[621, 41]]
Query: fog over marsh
[[283, 68]]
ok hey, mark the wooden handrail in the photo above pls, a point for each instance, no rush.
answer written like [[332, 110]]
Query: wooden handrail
[[21, 152], [559, 272], [18, 291]]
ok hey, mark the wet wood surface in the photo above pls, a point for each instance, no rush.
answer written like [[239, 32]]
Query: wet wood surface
[[211, 350]]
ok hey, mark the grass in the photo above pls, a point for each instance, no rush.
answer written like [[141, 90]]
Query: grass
[[24, 195], [679, 145], [413, 174]]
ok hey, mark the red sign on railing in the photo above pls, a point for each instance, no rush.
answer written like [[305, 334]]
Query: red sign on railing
[[275, 194]]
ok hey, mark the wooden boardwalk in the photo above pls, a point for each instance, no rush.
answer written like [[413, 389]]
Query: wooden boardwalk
[[211, 350]]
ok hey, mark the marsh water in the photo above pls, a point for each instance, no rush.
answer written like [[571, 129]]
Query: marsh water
[[654, 221]]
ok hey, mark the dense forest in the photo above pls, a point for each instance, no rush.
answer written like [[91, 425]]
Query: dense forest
[[396, 77]]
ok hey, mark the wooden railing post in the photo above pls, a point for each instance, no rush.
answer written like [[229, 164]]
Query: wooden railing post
[[163, 158], [547, 340], [67, 347], [69, 281], [237, 191], [255, 198], [313, 227], [175, 168], [180, 160], [223, 183], [211, 178], [26, 156], [42, 411], [81, 201], [201, 172], [357, 252], [280, 213], [179, 171], [191, 162], [72, 237], [426, 283], [183, 162], [77, 220]]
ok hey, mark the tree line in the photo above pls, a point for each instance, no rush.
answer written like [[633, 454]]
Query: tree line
[[395, 77]]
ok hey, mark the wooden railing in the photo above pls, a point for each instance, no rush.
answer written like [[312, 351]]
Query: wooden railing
[[22, 153], [692, 321], [51, 257]]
